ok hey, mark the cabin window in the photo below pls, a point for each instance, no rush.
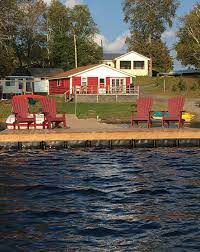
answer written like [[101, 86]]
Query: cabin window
[[125, 64], [58, 83], [10, 82], [102, 80], [7, 82], [84, 82], [20, 83], [102, 83], [28, 86], [138, 64]]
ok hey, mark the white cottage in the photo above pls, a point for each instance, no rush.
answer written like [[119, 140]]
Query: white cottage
[[92, 79], [131, 62]]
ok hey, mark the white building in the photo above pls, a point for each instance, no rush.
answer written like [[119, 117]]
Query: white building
[[32, 80], [131, 62]]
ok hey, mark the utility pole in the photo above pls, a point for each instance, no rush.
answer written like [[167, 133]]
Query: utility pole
[[164, 85], [48, 39], [150, 63], [75, 51]]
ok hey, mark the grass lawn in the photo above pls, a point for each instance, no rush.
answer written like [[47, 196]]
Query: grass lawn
[[5, 110], [110, 111], [189, 87], [186, 86], [106, 111]]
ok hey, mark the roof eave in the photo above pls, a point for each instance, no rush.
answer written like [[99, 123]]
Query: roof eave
[[56, 78], [129, 53], [94, 67], [131, 75]]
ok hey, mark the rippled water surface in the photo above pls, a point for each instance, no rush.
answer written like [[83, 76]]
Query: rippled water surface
[[100, 200]]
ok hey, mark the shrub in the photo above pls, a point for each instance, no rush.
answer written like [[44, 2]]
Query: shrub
[[158, 82], [181, 85], [193, 87], [174, 87]]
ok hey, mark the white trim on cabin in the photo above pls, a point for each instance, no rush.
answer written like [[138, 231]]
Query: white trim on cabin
[[130, 53], [70, 84], [84, 81], [92, 68], [58, 83]]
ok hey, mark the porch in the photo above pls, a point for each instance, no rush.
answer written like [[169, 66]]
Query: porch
[[103, 94]]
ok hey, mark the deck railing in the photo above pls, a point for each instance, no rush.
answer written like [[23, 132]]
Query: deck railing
[[94, 90], [131, 90]]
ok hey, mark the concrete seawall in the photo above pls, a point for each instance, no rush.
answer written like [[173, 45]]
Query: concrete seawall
[[129, 138]]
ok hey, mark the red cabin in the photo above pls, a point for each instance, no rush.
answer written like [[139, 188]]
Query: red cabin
[[92, 79]]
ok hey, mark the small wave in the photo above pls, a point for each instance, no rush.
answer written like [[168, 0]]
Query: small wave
[[88, 192], [126, 198], [98, 232], [151, 225]]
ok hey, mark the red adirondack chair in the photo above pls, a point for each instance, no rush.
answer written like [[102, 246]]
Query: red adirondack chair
[[144, 105], [21, 111], [175, 109], [50, 114]]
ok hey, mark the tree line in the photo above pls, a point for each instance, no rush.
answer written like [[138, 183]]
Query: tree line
[[148, 20], [37, 35], [33, 34]]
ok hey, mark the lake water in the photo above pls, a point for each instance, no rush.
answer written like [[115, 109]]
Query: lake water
[[100, 200]]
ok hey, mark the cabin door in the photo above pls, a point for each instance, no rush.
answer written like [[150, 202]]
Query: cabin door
[[118, 85]]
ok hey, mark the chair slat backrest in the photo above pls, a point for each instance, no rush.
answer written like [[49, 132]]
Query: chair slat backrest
[[49, 106], [175, 105], [20, 107], [45, 105], [144, 105]]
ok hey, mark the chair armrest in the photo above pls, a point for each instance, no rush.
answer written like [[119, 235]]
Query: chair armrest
[[60, 112], [164, 112], [150, 113], [33, 112]]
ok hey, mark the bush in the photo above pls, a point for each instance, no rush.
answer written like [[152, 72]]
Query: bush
[[174, 87], [180, 86], [157, 82]]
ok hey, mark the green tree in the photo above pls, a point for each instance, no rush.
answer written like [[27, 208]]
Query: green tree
[[188, 46], [60, 41], [148, 20], [30, 41], [63, 25], [8, 21], [149, 17], [157, 51], [7, 18], [84, 28]]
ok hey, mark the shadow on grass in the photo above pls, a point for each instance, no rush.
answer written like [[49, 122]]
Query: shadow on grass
[[2, 126]]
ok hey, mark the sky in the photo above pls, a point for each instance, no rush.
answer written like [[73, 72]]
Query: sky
[[108, 16]]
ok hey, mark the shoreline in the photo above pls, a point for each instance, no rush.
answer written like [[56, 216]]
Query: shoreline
[[66, 138]]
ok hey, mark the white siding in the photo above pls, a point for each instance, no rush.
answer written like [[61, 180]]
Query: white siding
[[41, 86], [103, 72], [14, 89], [109, 63], [132, 56]]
